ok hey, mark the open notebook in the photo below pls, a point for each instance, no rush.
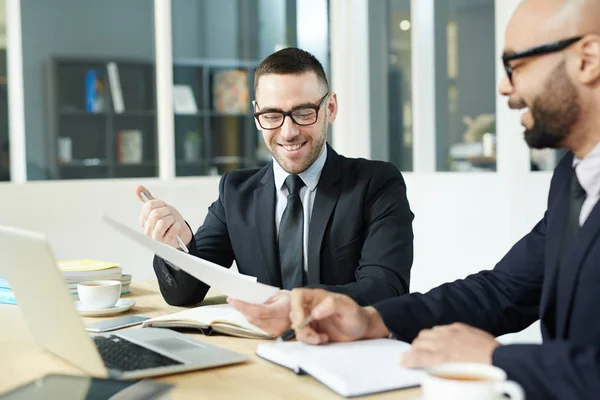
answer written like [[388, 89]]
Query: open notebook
[[221, 318], [350, 369]]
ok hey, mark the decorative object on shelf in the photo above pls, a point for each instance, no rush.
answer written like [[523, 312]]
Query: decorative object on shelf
[[478, 126], [183, 100], [129, 146], [65, 147], [230, 91], [191, 146], [115, 87], [94, 92]]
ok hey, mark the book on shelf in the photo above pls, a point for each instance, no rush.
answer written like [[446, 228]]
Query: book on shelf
[[115, 87], [230, 91], [130, 148], [183, 100], [221, 318]]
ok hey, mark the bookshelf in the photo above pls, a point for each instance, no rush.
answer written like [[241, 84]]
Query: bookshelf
[[99, 138]]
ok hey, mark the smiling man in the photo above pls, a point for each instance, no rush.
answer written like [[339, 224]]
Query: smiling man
[[309, 218], [552, 62]]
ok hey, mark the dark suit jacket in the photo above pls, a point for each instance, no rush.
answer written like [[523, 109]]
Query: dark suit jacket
[[360, 239], [523, 287]]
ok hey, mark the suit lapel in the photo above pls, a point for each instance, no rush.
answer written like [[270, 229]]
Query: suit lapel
[[325, 200], [264, 209], [556, 222], [574, 260]]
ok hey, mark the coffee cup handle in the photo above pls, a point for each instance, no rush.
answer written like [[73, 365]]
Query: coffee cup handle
[[512, 389]]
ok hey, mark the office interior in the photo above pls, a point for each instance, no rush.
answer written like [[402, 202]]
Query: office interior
[[416, 82]]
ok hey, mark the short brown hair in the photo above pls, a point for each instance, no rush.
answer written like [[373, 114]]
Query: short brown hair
[[290, 61]]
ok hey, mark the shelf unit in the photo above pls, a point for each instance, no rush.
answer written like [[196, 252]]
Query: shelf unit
[[208, 141]]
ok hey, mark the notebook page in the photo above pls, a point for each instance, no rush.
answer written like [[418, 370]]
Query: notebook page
[[359, 368], [204, 316], [350, 369]]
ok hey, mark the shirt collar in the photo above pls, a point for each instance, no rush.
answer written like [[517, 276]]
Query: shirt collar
[[310, 177], [588, 171]]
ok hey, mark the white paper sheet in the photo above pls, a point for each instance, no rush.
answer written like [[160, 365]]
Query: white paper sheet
[[350, 369], [233, 284]]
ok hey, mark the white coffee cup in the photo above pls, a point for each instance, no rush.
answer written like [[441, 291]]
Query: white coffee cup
[[96, 295], [468, 381]]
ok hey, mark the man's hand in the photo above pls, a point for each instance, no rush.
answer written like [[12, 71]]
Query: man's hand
[[162, 222], [450, 343], [272, 317], [336, 318]]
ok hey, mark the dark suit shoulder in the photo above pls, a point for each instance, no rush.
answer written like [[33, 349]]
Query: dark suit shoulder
[[360, 169], [366, 167], [244, 179]]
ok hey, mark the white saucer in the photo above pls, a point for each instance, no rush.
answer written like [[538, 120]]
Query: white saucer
[[121, 306]]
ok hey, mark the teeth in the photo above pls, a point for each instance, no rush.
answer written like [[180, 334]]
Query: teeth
[[293, 147]]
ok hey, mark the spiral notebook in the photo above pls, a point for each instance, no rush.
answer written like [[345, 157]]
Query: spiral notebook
[[350, 369]]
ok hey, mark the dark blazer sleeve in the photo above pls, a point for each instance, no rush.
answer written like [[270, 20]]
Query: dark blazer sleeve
[[553, 370], [387, 252], [211, 242], [503, 300]]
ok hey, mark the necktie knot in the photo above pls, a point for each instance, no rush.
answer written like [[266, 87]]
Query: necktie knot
[[293, 183]]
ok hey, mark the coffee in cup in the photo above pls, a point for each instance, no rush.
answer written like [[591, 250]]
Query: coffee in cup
[[96, 295], [468, 381]]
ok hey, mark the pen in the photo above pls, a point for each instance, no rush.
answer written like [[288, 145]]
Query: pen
[[179, 241], [291, 333]]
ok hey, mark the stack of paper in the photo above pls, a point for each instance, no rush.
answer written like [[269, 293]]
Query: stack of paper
[[85, 270]]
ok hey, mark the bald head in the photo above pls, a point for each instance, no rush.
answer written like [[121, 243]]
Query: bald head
[[546, 20]]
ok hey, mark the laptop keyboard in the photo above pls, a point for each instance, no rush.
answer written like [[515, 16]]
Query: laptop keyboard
[[123, 355]]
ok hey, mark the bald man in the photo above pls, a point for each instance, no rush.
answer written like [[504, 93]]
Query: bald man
[[552, 61]]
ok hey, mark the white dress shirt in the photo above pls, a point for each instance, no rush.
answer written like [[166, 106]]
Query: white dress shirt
[[588, 174], [310, 177]]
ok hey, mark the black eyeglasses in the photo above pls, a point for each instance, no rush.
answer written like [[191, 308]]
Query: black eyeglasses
[[303, 116], [536, 51]]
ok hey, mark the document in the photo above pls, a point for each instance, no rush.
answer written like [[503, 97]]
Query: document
[[350, 369], [228, 282]]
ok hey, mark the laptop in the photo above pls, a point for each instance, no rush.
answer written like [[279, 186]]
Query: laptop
[[29, 266]]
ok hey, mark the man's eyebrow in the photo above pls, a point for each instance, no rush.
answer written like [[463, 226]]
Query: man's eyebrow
[[275, 109]]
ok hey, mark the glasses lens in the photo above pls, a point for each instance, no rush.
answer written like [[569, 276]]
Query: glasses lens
[[305, 116], [270, 120]]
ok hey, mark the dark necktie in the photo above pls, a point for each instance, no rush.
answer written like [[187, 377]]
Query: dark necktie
[[291, 229], [576, 198]]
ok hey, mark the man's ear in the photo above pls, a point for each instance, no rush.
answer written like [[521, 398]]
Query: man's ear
[[589, 65], [332, 107]]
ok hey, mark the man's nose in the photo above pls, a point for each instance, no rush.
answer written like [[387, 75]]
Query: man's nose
[[289, 130], [505, 88]]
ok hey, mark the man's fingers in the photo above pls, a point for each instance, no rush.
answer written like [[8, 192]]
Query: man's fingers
[[138, 192], [297, 305], [334, 303], [310, 336], [420, 358], [161, 227]]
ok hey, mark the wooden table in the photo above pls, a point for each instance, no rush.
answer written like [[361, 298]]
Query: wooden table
[[21, 361]]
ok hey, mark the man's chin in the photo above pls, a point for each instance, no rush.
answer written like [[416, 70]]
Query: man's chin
[[541, 140]]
